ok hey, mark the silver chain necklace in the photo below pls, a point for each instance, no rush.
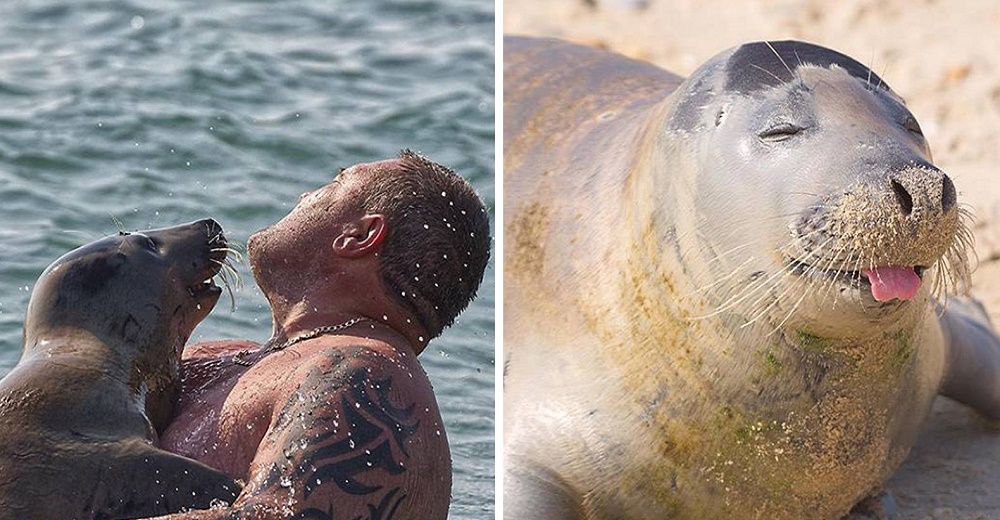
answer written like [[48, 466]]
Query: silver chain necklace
[[318, 331]]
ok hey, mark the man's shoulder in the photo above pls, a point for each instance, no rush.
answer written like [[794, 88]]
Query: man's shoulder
[[217, 348], [347, 358]]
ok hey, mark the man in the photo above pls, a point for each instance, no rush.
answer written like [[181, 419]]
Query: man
[[334, 418]]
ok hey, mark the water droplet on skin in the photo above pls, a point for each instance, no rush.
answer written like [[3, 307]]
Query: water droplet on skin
[[286, 482], [385, 318], [351, 443], [420, 339], [426, 226], [444, 194]]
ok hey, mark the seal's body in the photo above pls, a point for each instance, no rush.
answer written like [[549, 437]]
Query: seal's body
[[714, 304], [79, 413]]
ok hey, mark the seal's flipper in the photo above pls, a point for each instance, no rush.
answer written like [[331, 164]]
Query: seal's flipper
[[533, 492], [880, 506], [156, 482], [972, 369]]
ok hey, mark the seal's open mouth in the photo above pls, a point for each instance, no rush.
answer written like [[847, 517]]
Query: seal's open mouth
[[208, 287], [216, 251], [885, 283]]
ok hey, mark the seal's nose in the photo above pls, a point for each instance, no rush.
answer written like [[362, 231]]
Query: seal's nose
[[948, 194], [924, 190], [212, 228], [903, 197]]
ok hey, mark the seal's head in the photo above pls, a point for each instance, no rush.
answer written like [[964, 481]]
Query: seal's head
[[815, 184], [140, 293]]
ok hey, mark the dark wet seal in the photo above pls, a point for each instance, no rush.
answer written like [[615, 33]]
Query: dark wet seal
[[80, 412]]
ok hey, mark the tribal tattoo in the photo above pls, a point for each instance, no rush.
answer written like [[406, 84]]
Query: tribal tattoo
[[346, 445]]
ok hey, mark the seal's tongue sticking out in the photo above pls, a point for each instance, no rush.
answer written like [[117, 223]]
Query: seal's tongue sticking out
[[893, 282]]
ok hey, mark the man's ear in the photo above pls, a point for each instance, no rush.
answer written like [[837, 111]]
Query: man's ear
[[361, 237]]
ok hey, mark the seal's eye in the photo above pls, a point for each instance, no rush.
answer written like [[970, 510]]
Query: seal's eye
[[780, 132], [913, 127]]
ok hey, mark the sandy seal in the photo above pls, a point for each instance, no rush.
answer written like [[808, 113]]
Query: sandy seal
[[719, 291], [103, 333]]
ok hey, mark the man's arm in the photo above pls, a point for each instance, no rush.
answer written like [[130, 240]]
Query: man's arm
[[359, 439]]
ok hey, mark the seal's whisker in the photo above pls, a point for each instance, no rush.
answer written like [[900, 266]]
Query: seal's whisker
[[753, 288], [782, 60], [832, 283], [229, 277], [789, 314], [788, 271], [762, 69], [725, 278], [229, 252], [761, 285], [90, 236], [721, 256]]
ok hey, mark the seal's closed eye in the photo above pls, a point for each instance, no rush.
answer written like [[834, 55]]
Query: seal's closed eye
[[780, 132]]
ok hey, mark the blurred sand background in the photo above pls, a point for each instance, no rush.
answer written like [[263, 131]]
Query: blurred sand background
[[943, 57]]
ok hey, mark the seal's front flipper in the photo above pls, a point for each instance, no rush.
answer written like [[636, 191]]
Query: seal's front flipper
[[533, 492], [880, 506], [972, 362], [151, 482]]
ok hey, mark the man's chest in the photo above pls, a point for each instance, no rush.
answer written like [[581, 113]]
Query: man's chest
[[222, 415]]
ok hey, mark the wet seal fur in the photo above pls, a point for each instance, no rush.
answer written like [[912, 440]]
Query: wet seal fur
[[690, 315], [102, 340]]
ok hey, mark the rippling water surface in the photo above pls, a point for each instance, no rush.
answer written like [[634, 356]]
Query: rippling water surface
[[161, 112]]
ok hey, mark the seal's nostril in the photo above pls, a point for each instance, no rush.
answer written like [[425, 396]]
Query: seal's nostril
[[948, 194], [903, 196]]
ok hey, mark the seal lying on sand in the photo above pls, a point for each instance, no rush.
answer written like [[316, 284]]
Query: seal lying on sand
[[102, 341], [719, 291]]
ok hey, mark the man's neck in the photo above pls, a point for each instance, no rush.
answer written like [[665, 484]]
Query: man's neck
[[310, 313]]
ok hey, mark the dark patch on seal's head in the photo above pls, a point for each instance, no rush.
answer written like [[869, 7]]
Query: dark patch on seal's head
[[93, 273], [761, 65]]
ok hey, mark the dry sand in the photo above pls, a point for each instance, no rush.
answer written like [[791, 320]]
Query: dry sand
[[944, 59]]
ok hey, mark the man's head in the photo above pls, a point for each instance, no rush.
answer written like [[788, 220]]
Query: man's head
[[420, 225]]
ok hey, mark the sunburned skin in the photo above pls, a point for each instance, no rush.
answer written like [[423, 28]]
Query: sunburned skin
[[361, 427]]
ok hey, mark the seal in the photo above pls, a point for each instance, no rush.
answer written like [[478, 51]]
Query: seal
[[720, 291], [103, 335]]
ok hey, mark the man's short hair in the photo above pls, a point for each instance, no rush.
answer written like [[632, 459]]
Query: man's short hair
[[438, 241]]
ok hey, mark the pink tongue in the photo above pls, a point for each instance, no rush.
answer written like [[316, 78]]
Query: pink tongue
[[893, 282]]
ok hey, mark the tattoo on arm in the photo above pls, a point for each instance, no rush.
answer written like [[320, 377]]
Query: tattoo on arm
[[344, 445]]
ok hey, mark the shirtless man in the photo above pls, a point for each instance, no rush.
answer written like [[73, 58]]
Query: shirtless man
[[333, 417]]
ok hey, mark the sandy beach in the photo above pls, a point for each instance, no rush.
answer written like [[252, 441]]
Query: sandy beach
[[944, 59]]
